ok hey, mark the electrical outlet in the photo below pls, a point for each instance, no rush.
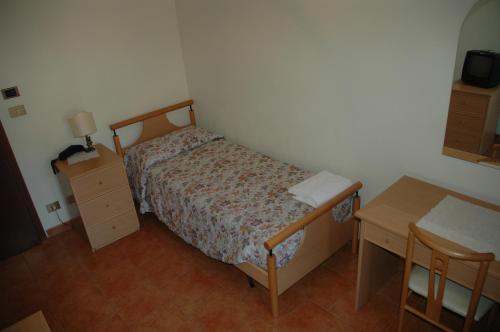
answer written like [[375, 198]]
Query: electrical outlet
[[53, 206]]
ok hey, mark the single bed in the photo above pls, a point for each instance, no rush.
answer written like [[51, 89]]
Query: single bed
[[232, 203]]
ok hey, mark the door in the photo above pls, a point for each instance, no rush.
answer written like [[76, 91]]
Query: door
[[20, 228]]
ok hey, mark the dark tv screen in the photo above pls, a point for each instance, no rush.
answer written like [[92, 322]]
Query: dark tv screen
[[480, 66]]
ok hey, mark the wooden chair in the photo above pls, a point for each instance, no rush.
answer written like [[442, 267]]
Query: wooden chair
[[461, 300]]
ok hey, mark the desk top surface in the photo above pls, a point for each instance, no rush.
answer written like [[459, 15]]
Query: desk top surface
[[408, 200], [463, 87]]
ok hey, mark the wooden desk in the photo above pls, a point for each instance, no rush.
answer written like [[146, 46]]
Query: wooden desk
[[384, 232], [33, 323]]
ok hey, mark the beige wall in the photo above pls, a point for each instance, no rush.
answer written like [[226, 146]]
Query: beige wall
[[356, 87], [116, 58]]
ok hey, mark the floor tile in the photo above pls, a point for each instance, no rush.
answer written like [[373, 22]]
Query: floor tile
[[188, 289], [166, 318], [113, 324], [323, 286], [137, 304], [308, 317], [14, 270], [345, 263], [153, 281]]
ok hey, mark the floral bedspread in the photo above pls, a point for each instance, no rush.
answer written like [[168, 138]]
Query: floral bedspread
[[227, 201], [140, 158]]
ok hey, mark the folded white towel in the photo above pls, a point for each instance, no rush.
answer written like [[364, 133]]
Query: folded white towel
[[319, 188]]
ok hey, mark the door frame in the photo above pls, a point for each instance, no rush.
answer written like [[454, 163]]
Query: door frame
[[18, 178]]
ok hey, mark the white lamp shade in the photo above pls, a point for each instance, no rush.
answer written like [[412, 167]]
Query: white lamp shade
[[82, 124]]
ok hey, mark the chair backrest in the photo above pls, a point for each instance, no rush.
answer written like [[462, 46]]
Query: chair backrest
[[440, 258]]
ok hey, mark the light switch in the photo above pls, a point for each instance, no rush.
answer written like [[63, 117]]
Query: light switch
[[11, 92], [16, 111]]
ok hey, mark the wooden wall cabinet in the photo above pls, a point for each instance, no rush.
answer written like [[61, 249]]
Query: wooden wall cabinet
[[472, 119]]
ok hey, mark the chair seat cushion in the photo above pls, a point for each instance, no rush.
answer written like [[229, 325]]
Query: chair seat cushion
[[456, 297]]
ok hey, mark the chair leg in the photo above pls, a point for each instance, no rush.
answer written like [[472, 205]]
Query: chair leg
[[401, 319]]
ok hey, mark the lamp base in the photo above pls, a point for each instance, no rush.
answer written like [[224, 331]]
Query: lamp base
[[90, 146]]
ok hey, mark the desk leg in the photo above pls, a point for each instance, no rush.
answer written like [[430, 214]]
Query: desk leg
[[375, 267]]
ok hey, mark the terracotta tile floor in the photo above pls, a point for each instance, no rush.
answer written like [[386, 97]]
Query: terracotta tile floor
[[153, 281]]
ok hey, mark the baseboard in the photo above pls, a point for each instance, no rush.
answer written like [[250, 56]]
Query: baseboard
[[62, 227]]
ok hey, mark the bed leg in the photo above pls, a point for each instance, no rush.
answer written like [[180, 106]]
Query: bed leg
[[192, 119], [251, 282], [118, 146], [273, 283], [355, 234]]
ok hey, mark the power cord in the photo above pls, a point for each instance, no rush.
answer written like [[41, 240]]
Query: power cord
[[61, 221]]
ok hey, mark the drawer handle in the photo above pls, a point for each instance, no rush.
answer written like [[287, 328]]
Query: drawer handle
[[107, 205], [113, 227], [100, 182]]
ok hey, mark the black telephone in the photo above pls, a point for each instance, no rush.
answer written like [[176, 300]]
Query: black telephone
[[65, 154]]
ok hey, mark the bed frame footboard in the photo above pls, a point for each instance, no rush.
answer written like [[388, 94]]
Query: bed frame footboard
[[322, 237]]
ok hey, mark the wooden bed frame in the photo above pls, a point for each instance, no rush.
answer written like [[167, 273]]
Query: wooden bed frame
[[322, 235]]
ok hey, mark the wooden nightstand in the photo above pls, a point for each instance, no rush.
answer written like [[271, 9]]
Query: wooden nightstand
[[103, 197]]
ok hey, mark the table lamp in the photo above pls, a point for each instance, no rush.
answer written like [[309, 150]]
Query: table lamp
[[83, 124]]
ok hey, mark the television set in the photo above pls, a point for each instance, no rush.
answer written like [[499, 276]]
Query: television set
[[481, 68]]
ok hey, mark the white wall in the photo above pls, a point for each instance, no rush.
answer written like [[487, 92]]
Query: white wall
[[116, 58], [356, 87]]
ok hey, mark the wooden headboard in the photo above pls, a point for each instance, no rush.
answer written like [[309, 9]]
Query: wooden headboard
[[154, 124]]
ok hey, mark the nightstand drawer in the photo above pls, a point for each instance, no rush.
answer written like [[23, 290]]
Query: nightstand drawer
[[460, 122], [99, 182], [112, 229], [106, 206], [469, 104], [462, 140]]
